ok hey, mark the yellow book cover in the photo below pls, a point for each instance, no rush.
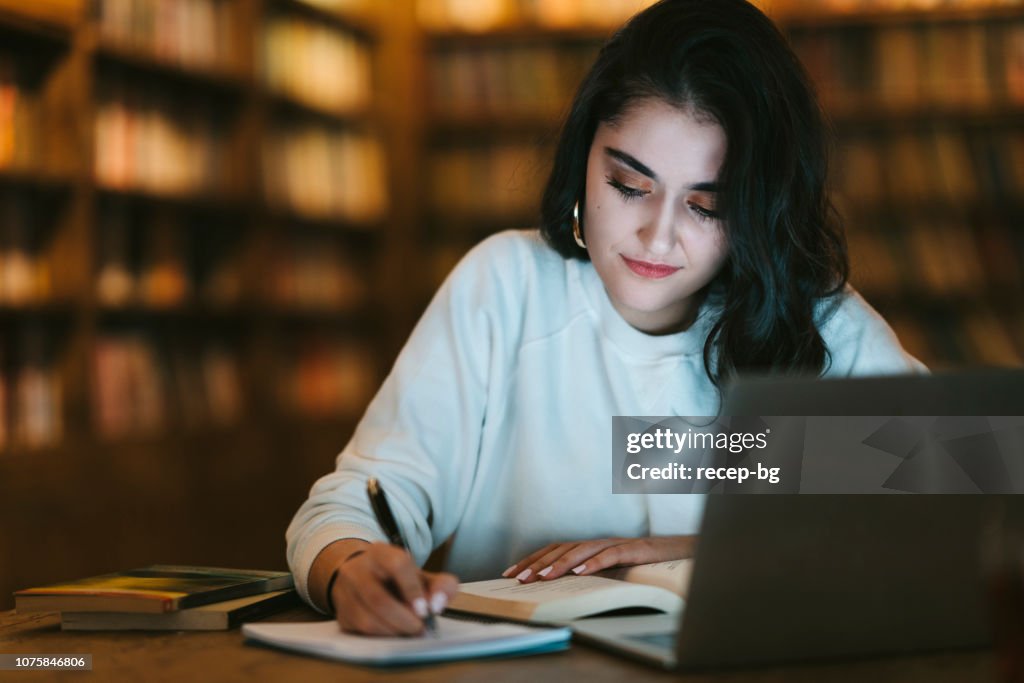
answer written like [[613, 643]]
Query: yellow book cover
[[153, 589]]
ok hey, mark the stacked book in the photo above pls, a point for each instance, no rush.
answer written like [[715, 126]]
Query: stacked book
[[163, 598]]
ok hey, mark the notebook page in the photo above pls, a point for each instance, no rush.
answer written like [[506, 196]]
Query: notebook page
[[455, 639]]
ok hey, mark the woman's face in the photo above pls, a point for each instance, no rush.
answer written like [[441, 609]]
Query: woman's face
[[650, 220]]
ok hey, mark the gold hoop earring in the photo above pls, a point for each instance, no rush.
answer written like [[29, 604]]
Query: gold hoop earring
[[576, 226]]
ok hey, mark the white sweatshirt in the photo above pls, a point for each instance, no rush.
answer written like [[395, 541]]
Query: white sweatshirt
[[495, 421]]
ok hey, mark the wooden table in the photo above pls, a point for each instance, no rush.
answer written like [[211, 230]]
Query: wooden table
[[223, 656]]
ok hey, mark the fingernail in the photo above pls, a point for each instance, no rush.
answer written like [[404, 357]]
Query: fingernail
[[523, 575], [545, 571], [438, 602], [580, 569], [508, 572], [419, 606]]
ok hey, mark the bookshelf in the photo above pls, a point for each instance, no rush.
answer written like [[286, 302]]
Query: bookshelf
[[191, 230], [926, 100], [494, 98], [927, 108]]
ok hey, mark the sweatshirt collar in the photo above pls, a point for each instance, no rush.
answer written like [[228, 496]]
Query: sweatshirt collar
[[627, 338]]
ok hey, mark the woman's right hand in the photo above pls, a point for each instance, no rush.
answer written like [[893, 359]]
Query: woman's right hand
[[379, 590]]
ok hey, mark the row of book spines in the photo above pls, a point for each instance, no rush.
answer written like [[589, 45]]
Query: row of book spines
[[160, 276], [191, 32], [153, 142], [138, 389], [898, 66], [31, 406], [314, 276], [488, 15], [799, 8], [981, 337], [159, 268], [908, 66], [25, 270], [318, 171], [939, 260], [313, 285], [485, 15], [141, 388], [487, 181], [931, 165], [327, 377], [315, 170], [323, 65], [510, 80], [317, 64]]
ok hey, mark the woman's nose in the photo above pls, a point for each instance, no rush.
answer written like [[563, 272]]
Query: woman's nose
[[659, 233]]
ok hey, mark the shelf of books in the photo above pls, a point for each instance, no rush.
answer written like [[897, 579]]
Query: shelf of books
[[188, 188], [926, 102], [928, 110], [498, 79], [192, 194]]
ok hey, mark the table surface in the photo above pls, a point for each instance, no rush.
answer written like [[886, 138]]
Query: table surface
[[225, 656]]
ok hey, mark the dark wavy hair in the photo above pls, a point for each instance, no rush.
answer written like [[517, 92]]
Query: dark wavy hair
[[725, 60]]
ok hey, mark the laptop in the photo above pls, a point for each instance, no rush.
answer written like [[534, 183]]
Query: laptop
[[782, 578]]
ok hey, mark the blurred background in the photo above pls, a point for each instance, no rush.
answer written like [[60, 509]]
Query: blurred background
[[219, 220]]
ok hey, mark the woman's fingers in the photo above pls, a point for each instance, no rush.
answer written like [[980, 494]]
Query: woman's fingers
[[354, 615], [440, 588], [517, 569], [577, 558], [399, 617], [627, 552], [588, 557], [565, 557], [623, 553], [531, 571], [383, 592], [395, 567]]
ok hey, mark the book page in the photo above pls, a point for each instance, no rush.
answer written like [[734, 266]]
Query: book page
[[454, 639], [539, 591], [673, 575]]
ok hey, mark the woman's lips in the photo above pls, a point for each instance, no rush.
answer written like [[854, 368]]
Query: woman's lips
[[652, 271]]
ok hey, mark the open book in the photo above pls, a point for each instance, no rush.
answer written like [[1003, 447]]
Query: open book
[[658, 587], [455, 639]]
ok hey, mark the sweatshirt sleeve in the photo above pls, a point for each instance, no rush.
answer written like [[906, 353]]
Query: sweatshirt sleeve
[[420, 435]]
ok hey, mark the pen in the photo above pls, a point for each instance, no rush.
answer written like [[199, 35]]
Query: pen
[[382, 511]]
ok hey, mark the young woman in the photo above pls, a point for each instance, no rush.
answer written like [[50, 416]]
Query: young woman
[[686, 237]]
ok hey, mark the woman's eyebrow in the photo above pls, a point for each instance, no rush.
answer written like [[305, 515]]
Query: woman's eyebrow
[[631, 161], [641, 167]]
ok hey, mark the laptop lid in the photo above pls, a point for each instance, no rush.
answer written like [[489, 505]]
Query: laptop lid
[[795, 577], [976, 392]]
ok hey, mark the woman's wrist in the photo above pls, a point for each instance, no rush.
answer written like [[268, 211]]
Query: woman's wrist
[[323, 569], [329, 598]]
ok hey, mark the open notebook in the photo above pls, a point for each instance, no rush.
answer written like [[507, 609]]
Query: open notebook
[[455, 639]]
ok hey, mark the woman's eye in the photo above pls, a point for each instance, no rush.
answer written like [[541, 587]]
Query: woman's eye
[[704, 213], [628, 193]]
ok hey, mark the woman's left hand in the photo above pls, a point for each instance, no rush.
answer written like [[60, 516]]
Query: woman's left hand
[[587, 557]]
